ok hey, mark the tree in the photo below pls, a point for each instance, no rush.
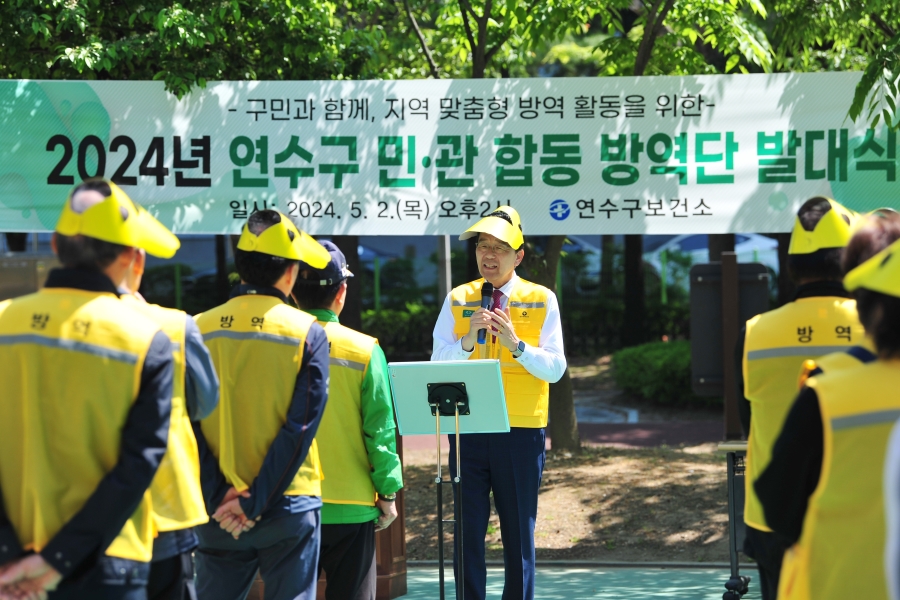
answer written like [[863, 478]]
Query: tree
[[184, 45]]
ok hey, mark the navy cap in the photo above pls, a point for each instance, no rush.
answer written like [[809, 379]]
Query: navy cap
[[334, 272]]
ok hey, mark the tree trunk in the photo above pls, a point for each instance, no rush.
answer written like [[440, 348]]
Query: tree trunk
[[223, 289], [635, 303], [17, 242], [607, 249], [563, 426], [719, 243], [351, 316]]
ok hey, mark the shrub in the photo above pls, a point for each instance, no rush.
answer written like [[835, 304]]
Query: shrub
[[402, 334], [658, 371]]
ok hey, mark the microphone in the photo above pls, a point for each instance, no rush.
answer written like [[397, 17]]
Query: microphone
[[487, 296]]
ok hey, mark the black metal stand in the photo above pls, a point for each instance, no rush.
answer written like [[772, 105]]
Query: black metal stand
[[449, 400], [738, 584]]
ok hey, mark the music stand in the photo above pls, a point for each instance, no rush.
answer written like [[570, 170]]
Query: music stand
[[463, 395]]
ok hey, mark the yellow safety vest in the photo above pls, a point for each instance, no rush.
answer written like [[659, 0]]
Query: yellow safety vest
[[775, 346], [837, 361], [345, 461], [527, 397], [176, 492], [70, 366], [840, 554], [256, 343]]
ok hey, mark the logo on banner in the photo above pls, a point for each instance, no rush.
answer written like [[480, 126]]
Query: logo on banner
[[559, 210]]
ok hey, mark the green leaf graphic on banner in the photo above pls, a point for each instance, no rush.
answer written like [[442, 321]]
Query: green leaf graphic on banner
[[30, 111]]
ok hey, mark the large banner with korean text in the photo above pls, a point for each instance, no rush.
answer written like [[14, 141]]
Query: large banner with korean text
[[705, 154]]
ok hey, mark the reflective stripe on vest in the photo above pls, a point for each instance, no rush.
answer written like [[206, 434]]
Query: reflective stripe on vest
[[840, 554], [776, 344], [527, 397], [256, 343], [345, 460], [177, 496], [70, 363]]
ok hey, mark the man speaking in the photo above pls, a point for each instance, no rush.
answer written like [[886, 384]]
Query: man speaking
[[523, 330]]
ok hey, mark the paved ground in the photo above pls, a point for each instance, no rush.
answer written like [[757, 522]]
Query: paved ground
[[594, 584]]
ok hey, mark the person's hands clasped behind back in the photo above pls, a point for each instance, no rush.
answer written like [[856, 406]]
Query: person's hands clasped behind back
[[230, 516], [388, 510], [29, 578]]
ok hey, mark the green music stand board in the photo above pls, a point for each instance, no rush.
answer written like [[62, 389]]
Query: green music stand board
[[458, 396]]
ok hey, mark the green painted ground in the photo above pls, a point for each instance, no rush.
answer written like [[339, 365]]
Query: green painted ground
[[596, 584]]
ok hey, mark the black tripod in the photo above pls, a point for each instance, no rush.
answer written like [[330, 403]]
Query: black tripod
[[449, 400]]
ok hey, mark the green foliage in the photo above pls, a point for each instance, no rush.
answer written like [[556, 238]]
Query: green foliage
[[836, 35], [658, 371], [696, 37], [466, 41], [184, 44], [403, 334]]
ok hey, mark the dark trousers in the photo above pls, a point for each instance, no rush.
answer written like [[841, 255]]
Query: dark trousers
[[109, 579], [510, 465], [172, 578], [284, 549], [767, 550], [348, 558]]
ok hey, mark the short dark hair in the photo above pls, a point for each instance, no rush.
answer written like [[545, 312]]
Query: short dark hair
[[879, 231], [314, 296], [880, 315], [81, 251], [256, 268], [824, 264]]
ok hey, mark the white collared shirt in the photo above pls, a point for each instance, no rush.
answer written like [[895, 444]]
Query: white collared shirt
[[546, 361]]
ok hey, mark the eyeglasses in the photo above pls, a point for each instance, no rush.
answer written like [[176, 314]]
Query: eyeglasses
[[494, 249]]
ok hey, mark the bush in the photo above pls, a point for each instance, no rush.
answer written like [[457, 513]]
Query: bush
[[658, 371], [403, 334]]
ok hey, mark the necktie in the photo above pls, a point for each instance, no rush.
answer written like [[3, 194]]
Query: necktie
[[496, 298]]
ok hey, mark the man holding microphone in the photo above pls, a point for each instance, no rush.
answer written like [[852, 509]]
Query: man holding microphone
[[524, 331]]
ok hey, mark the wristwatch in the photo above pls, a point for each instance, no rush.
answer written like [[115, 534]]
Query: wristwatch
[[519, 350], [387, 497]]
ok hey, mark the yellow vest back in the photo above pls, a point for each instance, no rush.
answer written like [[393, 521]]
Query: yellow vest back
[[776, 344], [176, 492], [840, 554], [527, 397], [256, 343], [70, 363], [345, 461]]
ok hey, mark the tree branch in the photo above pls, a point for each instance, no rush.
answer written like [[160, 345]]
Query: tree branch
[[468, 28], [490, 53], [412, 21], [884, 27], [648, 40]]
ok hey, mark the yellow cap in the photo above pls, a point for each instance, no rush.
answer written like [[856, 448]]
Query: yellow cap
[[285, 240], [118, 220], [881, 273], [504, 224], [832, 231]]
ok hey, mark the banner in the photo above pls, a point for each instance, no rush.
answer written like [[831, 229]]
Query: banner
[[655, 155]]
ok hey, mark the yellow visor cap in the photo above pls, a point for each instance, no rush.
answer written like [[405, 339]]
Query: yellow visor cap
[[118, 220], [285, 240], [832, 231], [504, 224], [881, 273]]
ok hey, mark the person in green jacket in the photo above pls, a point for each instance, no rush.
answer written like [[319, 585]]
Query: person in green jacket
[[356, 438]]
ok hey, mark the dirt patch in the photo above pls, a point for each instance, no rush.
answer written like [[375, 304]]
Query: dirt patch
[[610, 504]]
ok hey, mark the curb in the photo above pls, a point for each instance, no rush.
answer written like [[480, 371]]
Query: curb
[[603, 564]]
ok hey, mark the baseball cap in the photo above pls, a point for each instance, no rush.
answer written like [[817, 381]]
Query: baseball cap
[[833, 230], [881, 273], [334, 272]]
